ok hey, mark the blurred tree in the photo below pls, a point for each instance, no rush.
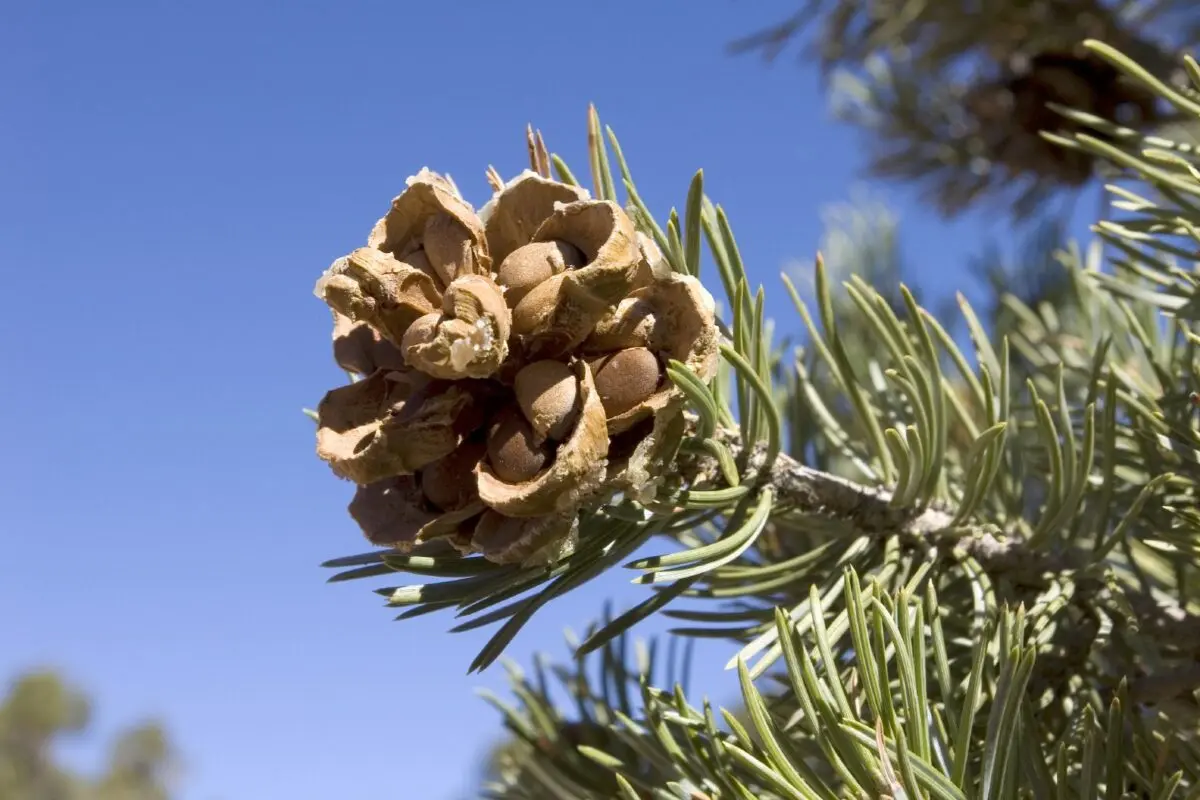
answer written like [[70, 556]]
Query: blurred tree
[[141, 766], [953, 94], [40, 710]]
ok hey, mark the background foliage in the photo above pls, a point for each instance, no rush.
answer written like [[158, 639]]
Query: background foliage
[[40, 711]]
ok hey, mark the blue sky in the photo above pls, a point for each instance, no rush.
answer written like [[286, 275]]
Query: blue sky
[[174, 178]]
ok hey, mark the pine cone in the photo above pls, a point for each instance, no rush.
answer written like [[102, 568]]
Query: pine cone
[[513, 366], [1011, 112]]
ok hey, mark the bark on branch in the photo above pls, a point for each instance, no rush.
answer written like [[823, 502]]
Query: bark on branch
[[1006, 559]]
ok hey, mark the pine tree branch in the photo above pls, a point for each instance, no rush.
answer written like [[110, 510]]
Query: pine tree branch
[[869, 511]]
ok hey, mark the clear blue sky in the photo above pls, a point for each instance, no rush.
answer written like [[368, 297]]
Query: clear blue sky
[[174, 178]]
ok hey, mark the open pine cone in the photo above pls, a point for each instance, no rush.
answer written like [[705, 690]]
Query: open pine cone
[[513, 366]]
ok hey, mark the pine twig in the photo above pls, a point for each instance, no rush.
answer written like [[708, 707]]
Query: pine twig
[[870, 511]]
